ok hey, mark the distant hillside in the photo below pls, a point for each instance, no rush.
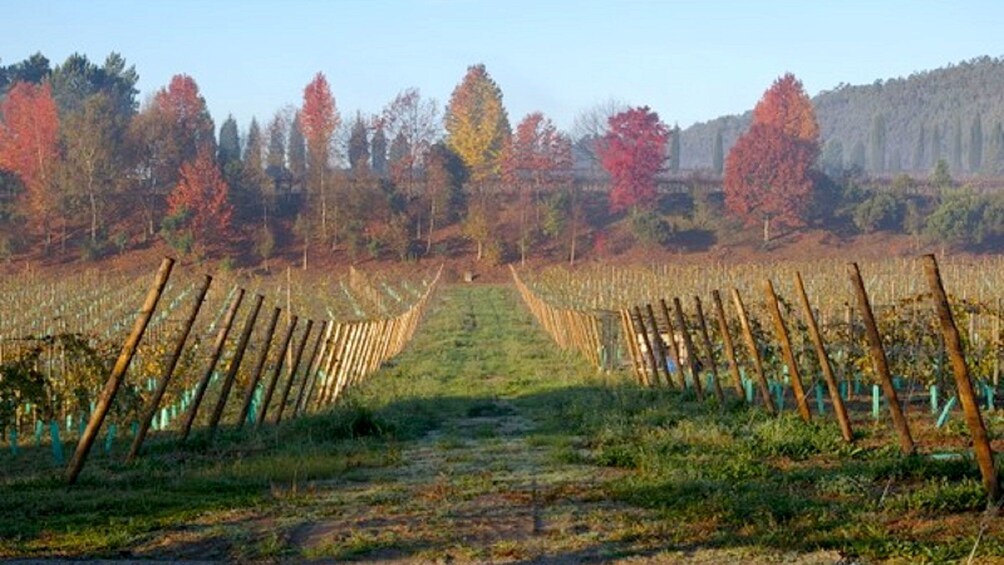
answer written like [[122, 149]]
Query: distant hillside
[[901, 124]]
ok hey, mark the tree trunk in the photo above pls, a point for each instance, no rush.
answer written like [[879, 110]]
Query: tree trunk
[[766, 229], [480, 249], [432, 226]]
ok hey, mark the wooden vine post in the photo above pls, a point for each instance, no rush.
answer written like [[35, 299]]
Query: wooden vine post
[[235, 364], [293, 367], [730, 350], [824, 363], [674, 348], [649, 353], [702, 325], [786, 351], [221, 340], [259, 367], [963, 384], [689, 345], [172, 363], [111, 388], [276, 372], [660, 346], [754, 352], [879, 361]]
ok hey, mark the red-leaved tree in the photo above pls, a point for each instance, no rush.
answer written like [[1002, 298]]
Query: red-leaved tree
[[787, 107], [201, 199], [767, 178], [29, 136], [318, 120], [633, 151]]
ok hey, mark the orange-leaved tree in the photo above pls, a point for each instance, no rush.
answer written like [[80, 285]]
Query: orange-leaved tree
[[200, 201], [477, 126], [29, 137], [768, 172], [319, 119], [633, 151]]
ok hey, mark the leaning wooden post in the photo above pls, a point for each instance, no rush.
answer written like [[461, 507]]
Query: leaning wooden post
[[276, 372], [632, 346], [786, 351], [674, 348], [754, 352], [824, 363], [235, 364], [963, 384], [172, 364], [221, 340], [118, 372], [709, 349], [643, 333], [312, 361], [660, 346], [730, 351], [259, 366], [689, 345], [293, 367], [879, 361]]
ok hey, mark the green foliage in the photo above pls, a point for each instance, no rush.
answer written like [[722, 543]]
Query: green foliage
[[651, 228], [175, 233], [881, 211], [940, 177], [956, 220]]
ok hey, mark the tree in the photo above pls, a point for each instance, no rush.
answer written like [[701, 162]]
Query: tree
[[256, 192], [674, 149], [936, 143], [957, 145], [77, 79], [412, 123], [359, 146], [940, 176], [29, 140], [275, 160], [477, 126], [201, 199], [588, 128], [32, 70], [296, 150], [919, 162], [833, 158], [378, 147], [93, 138], [633, 151], [444, 178], [538, 157], [877, 144], [319, 119], [787, 107], [857, 157], [229, 150], [718, 154], [767, 178], [976, 144]]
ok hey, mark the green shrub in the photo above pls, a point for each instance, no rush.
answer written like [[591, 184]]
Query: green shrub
[[649, 227], [881, 211]]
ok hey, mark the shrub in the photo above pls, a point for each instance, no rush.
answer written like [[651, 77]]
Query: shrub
[[881, 211], [649, 227]]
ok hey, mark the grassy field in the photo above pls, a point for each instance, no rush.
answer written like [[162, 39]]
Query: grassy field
[[483, 443]]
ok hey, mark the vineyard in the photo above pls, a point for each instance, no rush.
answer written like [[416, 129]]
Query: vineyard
[[204, 351], [872, 340]]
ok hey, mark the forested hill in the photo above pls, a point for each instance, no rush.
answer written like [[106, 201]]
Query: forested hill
[[902, 124]]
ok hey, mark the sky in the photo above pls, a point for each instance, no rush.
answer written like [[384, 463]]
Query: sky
[[690, 61]]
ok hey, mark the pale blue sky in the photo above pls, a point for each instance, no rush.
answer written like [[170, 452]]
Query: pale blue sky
[[690, 61]]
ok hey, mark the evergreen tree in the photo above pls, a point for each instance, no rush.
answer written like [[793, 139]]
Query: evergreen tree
[[229, 150], [378, 147], [718, 154], [919, 151], [674, 149], [857, 158], [297, 150], [957, 145], [276, 160], [976, 144], [936, 142], [994, 163], [833, 158], [359, 145], [877, 144]]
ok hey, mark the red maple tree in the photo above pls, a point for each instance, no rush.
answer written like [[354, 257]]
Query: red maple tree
[[633, 151], [767, 178], [29, 136], [201, 197], [786, 106]]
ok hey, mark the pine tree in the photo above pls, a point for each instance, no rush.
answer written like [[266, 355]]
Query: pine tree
[[378, 149], [230, 143], [919, 163], [976, 144], [674, 149], [877, 143], [718, 154], [957, 145]]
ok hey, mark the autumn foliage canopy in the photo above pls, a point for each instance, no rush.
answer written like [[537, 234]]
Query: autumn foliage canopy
[[768, 171], [633, 151], [201, 196], [477, 125], [29, 135]]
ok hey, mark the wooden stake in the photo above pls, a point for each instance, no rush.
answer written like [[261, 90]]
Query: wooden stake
[[221, 340], [172, 364], [276, 372], [312, 361], [730, 352], [879, 361], [754, 352], [786, 351], [259, 367], [114, 381], [643, 333], [660, 346], [292, 371], [963, 384], [824, 363], [709, 350], [674, 348], [235, 364], [689, 345]]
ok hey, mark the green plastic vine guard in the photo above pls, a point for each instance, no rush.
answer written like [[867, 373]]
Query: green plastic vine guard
[[57, 445], [934, 399], [110, 438], [13, 441], [820, 403], [876, 401], [946, 412]]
